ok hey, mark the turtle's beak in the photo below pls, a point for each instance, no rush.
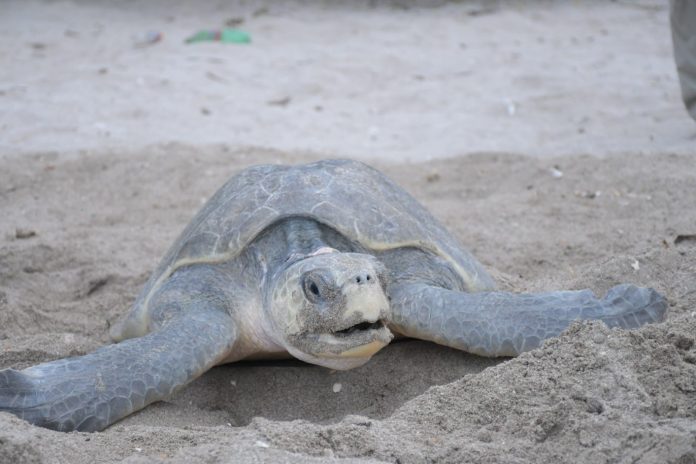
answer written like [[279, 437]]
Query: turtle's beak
[[362, 331], [365, 301], [358, 341]]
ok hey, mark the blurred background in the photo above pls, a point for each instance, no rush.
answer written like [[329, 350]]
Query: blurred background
[[392, 80]]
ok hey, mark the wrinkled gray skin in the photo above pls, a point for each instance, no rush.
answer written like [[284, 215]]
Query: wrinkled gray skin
[[323, 262]]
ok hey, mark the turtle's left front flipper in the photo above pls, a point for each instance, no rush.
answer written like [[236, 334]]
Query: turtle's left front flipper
[[88, 393], [506, 324]]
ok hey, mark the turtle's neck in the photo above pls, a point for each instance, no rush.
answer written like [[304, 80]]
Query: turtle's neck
[[303, 237]]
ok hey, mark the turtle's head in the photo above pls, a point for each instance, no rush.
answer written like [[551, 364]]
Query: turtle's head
[[331, 309]]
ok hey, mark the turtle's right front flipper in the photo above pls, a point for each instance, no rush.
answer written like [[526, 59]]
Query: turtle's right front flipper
[[88, 393], [506, 324]]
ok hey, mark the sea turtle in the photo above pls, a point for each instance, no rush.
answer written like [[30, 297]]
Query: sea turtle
[[324, 262]]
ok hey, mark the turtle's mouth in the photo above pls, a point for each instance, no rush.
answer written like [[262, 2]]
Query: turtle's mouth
[[343, 347], [360, 340], [356, 341], [360, 327]]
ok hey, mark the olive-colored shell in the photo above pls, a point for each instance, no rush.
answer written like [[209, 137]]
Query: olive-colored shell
[[349, 196]]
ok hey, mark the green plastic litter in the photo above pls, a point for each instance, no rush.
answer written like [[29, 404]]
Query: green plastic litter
[[235, 36]]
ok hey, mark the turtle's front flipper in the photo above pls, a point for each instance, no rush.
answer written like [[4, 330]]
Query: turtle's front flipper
[[506, 324], [88, 393]]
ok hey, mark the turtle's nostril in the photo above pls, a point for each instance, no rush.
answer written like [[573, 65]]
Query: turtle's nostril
[[363, 279]]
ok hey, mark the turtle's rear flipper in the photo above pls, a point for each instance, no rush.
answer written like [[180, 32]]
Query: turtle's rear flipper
[[88, 393], [506, 324]]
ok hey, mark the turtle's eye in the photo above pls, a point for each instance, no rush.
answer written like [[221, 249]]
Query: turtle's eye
[[314, 286]]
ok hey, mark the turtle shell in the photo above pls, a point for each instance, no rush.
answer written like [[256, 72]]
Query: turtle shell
[[351, 197]]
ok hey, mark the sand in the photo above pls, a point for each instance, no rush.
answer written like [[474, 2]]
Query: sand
[[88, 211], [388, 79]]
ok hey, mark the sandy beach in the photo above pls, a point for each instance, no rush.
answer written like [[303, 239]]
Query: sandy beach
[[549, 137]]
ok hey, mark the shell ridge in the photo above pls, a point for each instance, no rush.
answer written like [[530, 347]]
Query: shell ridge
[[258, 197]]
